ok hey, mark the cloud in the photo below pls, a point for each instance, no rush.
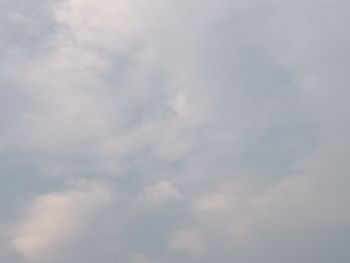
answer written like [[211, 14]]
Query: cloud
[[224, 125], [240, 219], [162, 192], [94, 25], [140, 258], [54, 219], [188, 241]]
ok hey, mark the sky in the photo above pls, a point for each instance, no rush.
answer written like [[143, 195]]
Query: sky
[[165, 131]]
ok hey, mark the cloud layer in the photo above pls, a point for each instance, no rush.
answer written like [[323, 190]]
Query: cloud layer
[[220, 129]]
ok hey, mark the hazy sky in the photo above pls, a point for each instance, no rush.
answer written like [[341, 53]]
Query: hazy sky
[[163, 131]]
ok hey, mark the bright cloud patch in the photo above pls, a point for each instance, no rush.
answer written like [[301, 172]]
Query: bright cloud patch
[[54, 219]]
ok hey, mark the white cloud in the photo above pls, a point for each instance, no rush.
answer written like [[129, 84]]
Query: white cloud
[[107, 25], [54, 219], [244, 217]]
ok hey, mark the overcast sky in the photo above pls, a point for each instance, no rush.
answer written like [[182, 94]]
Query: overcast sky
[[163, 131]]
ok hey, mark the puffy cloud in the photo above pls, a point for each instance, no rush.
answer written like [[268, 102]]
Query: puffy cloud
[[54, 219]]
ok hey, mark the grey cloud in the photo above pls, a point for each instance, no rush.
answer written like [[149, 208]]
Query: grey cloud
[[222, 125]]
